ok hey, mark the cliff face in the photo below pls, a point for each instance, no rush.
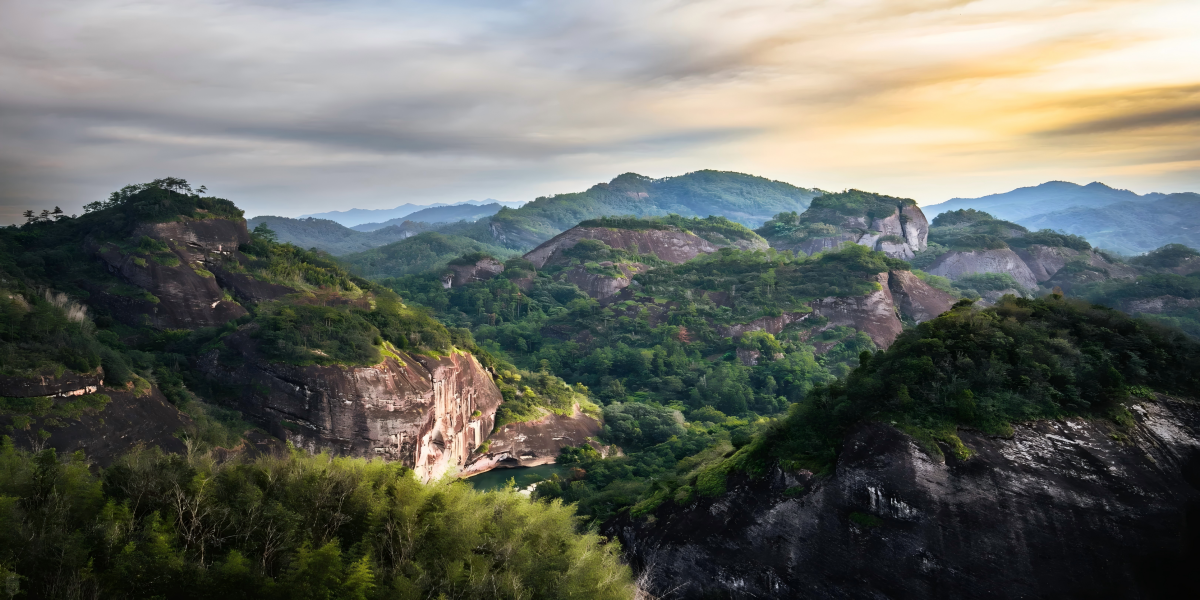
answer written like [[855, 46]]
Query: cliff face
[[899, 235], [68, 383], [481, 270], [533, 443], [1061, 510], [417, 410], [957, 264], [671, 246], [185, 294], [915, 298], [603, 287], [1046, 261], [877, 314], [873, 314]]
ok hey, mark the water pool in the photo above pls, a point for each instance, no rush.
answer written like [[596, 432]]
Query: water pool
[[525, 477]]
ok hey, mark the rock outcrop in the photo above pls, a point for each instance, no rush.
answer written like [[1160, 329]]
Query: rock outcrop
[[1159, 304], [1063, 509], [670, 245], [957, 264], [1046, 261], [873, 314], [915, 298], [480, 270], [899, 235], [535, 442], [183, 294], [877, 314], [427, 413], [600, 286]]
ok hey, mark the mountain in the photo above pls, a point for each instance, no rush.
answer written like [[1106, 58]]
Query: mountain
[[334, 238], [359, 216], [741, 198], [1048, 197], [1129, 228], [911, 478], [440, 214], [894, 226]]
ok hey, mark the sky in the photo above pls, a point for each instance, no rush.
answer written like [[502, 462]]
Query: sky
[[293, 107]]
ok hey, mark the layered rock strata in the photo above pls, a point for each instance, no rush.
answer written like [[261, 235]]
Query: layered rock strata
[[1063, 509], [427, 413]]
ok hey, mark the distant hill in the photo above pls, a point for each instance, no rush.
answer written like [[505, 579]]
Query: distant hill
[[1048, 197], [742, 198], [439, 214], [424, 252], [359, 216], [1130, 227], [333, 238]]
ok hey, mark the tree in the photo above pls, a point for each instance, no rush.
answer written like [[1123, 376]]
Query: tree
[[265, 233], [29, 218], [57, 213]]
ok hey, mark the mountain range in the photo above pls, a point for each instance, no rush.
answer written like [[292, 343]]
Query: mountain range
[[359, 216]]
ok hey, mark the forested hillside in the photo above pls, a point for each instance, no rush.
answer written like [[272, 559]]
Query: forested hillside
[[333, 238], [156, 319]]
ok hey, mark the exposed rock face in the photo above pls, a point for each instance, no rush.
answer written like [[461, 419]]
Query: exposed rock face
[[69, 383], [669, 245], [1061, 510], [188, 296], [534, 443], [481, 270], [899, 235], [958, 264], [873, 314], [771, 325], [417, 410], [916, 227], [1045, 261], [603, 286], [915, 298]]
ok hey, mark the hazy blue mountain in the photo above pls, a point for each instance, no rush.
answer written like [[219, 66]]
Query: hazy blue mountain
[[1048, 197], [332, 237], [1129, 227], [439, 214], [358, 216]]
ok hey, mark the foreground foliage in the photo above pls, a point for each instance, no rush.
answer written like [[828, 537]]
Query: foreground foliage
[[296, 526]]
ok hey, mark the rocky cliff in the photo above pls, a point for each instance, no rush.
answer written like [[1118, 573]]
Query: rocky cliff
[[479, 270], [180, 293], [427, 413], [667, 244], [1062, 509], [899, 235], [877, 314], [534, 443], [957, 264]]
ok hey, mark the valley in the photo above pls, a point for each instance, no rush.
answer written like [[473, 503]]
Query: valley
[[719, 371]]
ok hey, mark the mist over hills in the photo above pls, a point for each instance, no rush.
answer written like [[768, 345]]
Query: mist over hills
[[359, 216], [1130, 227], [439, 214]]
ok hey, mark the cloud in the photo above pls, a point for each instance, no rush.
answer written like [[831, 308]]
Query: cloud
[[291, 107]]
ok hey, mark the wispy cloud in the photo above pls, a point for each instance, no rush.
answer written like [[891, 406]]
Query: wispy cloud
[[291, 107]]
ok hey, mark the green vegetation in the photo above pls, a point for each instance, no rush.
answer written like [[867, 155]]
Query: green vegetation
[[295, 526], [1167, 257], [829, 215], [746, 199], [718, 230], [1179, 296], [1017, 361], [418, 254], [334, 238]]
